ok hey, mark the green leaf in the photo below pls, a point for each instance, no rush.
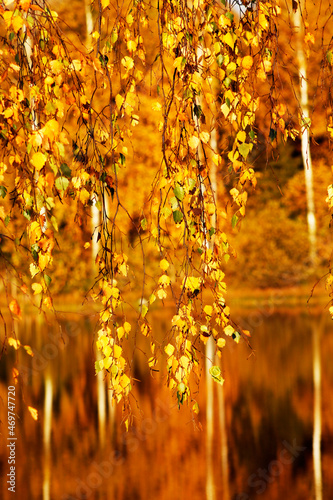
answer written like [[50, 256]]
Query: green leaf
[[144, 224], [114, 36], [62, 183], [27, 214], [220, 59], [65, 170], [3, 191], [244, 149], [230, 16], [191, 183], [179, 192], [211, 231], [234, 221], [227, 82], [34, 251], [7, 220], [329, 56], [197, 110], [50, 108], [272, 134], [177, 216], [97, 367], [174, 203], [47, 280], [215, 372], [252, 135]]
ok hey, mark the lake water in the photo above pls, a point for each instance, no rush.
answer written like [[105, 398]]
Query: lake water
[[273, 420]]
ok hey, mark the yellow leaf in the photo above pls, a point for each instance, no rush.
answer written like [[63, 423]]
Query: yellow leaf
[[156, 106], [86, 245], [33, 412], [95, 35], [43, 261], [35, 232], [164, 264], [221, 343], [241, 136], [131, 46], [49, 80], [178, 62], [247, 62], [48, 302], [161, 294], [164, 280], [117, 350], [130, 19], [123, 269], [105, 3], [194, 142], [107, 362], [204, 136], [8, 113], [208, 310], [25, 4], [229, 330], [145, 329], [195, 408], [127, 62], [38, 160], [37, 288], [17, 23], [127, 327], [14, 343], [15, 308], [169, 349], [229, 40], [120, 332], [119, 100], [28, 349]]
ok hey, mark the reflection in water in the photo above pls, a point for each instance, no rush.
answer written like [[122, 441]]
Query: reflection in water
[[316, 443], [263, 431], [47, 434], [210, 487], [101, 406], [224, 443]]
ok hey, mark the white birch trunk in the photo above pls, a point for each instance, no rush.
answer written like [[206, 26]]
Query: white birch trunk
[[306, 153]]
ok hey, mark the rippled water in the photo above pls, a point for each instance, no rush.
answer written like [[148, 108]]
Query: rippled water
[[273, 422]]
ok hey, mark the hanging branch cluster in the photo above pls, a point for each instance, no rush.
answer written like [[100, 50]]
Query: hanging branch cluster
[[67, 119]]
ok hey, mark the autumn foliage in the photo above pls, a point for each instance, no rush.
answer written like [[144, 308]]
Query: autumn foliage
[[143, 120]]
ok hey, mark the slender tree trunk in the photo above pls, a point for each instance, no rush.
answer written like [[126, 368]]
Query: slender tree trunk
[[306, 153]]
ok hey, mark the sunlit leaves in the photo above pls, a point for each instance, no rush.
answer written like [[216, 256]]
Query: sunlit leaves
[[38, 160], [216, 374], [15, 308]]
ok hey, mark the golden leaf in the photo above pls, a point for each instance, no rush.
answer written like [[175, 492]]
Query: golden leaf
[[247, 62], [15, 308], [33, 412], [14, 343], [194, 142], [38, 160], [37, 288]]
